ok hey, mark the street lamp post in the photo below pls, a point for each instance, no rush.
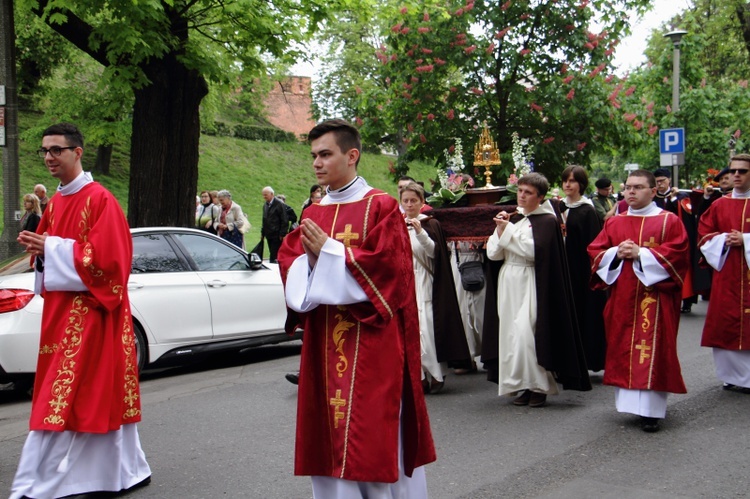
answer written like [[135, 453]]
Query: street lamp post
[[676, 38]]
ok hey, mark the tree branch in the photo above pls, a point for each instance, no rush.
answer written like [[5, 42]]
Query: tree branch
[[75, 30]]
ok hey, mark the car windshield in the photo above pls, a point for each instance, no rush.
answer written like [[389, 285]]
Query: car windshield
[[17, 264]]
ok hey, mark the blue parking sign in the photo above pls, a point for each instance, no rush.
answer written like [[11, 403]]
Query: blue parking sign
[[672, 141]]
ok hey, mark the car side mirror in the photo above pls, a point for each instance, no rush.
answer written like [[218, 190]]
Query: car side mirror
[[256, 263]]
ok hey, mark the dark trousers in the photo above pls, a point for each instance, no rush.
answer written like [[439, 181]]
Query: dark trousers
[[274, 244]]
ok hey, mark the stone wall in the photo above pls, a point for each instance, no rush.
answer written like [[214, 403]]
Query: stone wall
[[289, 105]]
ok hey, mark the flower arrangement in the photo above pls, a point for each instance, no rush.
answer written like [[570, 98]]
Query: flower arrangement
[[522, 159], [452, 182]]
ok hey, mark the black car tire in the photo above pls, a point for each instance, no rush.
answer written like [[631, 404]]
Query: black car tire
[[141, 347]]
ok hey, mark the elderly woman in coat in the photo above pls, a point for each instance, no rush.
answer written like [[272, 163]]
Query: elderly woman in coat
[[230, 220]]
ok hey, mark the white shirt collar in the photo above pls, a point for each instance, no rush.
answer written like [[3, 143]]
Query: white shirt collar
[[576, 204], [648, 211], [81, 181], [740, 195], [353, 191]]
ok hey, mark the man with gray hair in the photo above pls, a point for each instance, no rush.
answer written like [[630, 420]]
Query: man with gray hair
[[275, 222], [41, 193]]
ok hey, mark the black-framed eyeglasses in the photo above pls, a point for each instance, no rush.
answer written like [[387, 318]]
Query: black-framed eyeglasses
[[55, 151], [638, 187], [741, 171]]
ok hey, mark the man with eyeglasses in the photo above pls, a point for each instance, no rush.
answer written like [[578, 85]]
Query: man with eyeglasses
[[724, 232], [86, 401], [641, 256]]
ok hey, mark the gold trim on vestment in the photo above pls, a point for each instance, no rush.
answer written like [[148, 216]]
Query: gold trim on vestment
[[370, 282], [61, 387], [338, 340], [351, 399], [130, 376]]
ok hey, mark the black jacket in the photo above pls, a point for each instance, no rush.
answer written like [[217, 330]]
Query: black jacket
[[275, 221]]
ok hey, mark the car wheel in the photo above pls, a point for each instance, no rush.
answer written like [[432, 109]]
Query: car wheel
[[141, 347]]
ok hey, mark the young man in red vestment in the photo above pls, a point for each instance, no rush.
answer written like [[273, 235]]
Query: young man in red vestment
[[362, 426], [86, 396], [641, 257], [724, 232]]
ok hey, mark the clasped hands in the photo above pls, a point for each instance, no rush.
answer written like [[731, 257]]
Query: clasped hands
[[734, 238], [313, 238], [501, 221], [627, 250]]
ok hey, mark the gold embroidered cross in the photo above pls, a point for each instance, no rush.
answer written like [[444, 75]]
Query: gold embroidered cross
[[651, 243], [347, 235], [644, 351], [58, 404], [337, 403]]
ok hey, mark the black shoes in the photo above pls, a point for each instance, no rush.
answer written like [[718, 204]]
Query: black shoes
[[734, 388], [649, 425], [523, 399], [293, 378]]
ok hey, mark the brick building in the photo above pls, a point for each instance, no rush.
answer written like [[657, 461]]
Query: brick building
[[289, 105]]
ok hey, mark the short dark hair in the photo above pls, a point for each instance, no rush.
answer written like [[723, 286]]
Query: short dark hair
[[406, 177], [347, 136], [537, 181], [579, 175], [603, 183], [741, 157], [650, 177], [315, 188], [73, 135]]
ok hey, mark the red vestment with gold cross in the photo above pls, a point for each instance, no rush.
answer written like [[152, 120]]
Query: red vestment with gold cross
[[641, 322], [728, 317], [360, 368], [87, 373]]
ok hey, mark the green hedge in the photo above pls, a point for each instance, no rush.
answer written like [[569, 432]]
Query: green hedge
[[268, 134]]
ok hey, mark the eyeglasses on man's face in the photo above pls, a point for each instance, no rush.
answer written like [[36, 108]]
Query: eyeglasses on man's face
[[636, 188], [55, 151], [741, 171]]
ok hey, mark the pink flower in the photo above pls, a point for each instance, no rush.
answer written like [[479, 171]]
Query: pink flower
[[596, 70], [406, 95], [630, 91], [742, 83], [589, 45], [423, 29], [451, 114], [609, 52], [439, 61], [404, 10], [459, 12], [568, 79], [669, 108], [581, 146], [476, 91], [652, 129], [427, 68], [430, 117], [414, 79], [419, 116], [490, 48], [359, 121], [629, 116], [571, 94], [426, 17], [410, 127], [506, 5], [548, 140], [512, 179], [470, 49], [453, 89], [502, 33], [393, 57], [426, 51], [536, 107], [564, 68], [609, 78], [525, 52], [407, 86], [419, 61], [404, 31], [524, 16], [638, 124], [737, 134], [396, 27], [422, 138]]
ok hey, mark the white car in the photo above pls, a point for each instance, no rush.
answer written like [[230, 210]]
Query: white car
[[190, 293]]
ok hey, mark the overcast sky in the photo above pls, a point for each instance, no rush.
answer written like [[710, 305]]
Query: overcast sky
[[628, 55]]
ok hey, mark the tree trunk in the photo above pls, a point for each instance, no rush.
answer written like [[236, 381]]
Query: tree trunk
[[103, 159], [164, 146]]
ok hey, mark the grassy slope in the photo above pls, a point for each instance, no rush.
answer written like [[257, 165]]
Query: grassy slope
[[241, 166]]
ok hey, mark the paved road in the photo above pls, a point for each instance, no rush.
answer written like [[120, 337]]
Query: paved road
[[226, 429]]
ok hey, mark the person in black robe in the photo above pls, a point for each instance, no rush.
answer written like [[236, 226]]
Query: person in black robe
[[580, 225]]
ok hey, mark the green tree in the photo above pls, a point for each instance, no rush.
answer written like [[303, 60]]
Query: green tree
[[531, 67], [166, 52]]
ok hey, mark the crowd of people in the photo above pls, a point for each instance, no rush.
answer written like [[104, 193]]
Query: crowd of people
[[558, 287]]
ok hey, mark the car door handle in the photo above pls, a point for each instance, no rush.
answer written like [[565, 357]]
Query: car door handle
[[216, 284], [135, 285]]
